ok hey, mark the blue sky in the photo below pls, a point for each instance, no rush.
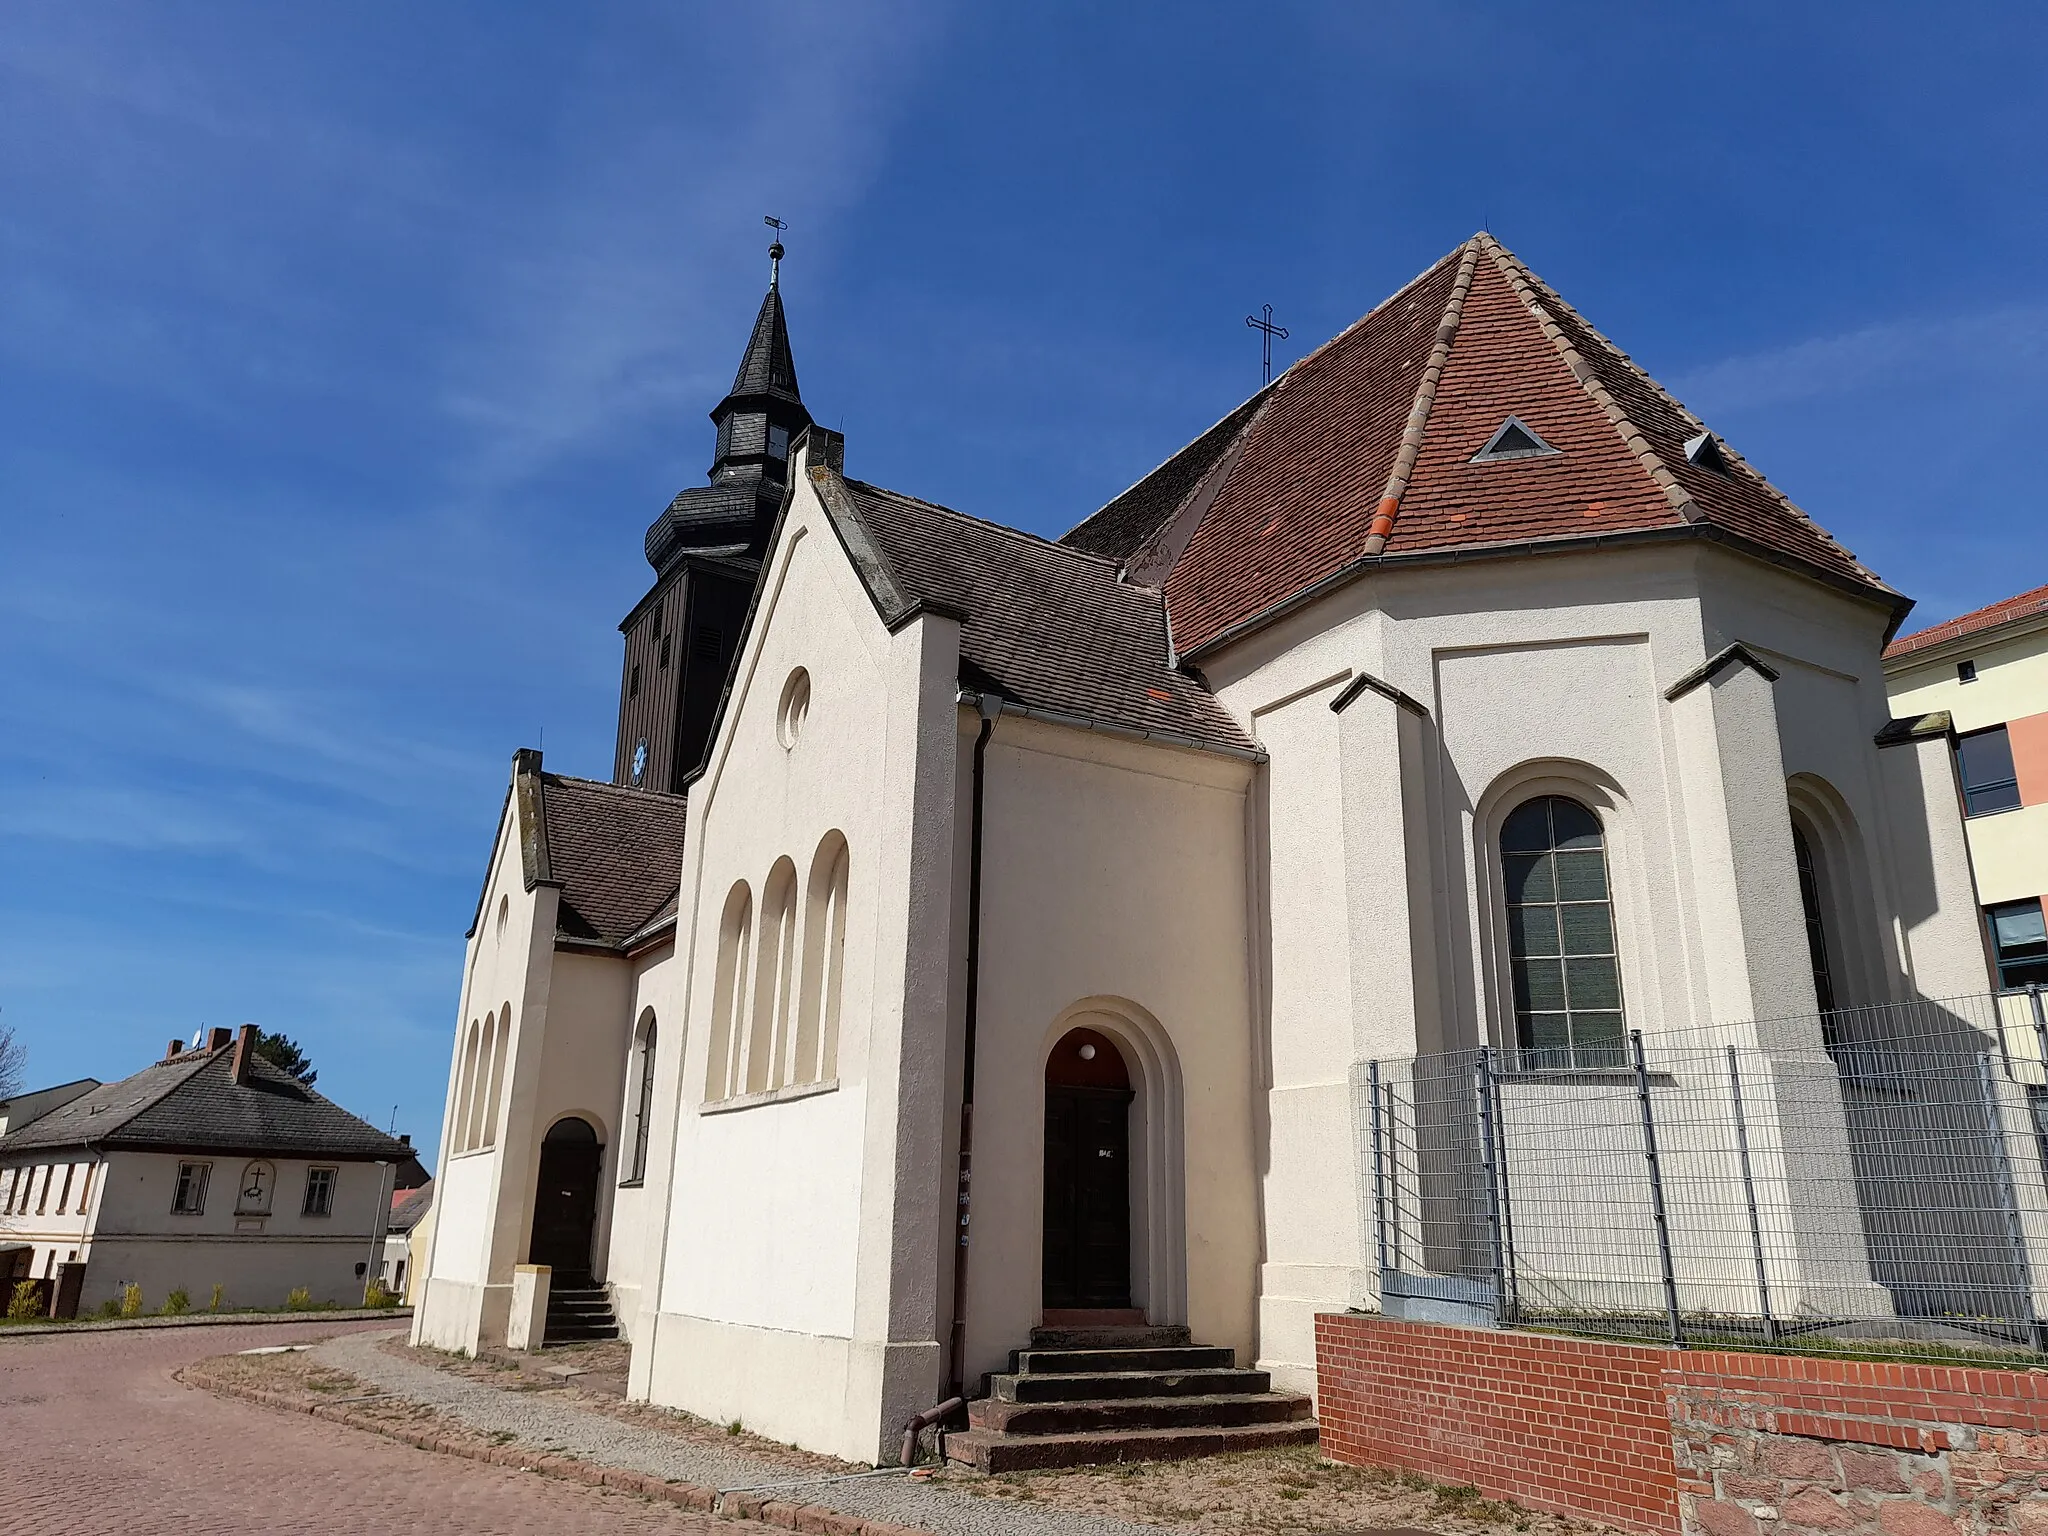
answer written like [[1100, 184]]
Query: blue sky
[[346, 353]]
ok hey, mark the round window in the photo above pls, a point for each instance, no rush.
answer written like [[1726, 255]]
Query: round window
[[796, 706]]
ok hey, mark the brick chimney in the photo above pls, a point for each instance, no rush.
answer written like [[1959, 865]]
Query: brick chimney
[[245, 1048], [218, 1036], [176, 1047]]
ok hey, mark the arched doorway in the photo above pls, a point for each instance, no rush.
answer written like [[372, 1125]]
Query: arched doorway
[[565, 1200], [1087, 1233]]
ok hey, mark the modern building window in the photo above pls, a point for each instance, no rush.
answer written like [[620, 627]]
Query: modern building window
[[1966, 671], [1816, 930], [643, 1110], [319, 1192], [190, 1199], [2019, 939], [1990, 782], [1561, 946]]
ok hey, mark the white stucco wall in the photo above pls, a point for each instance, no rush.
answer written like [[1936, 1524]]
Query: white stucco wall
[[792, 1275]]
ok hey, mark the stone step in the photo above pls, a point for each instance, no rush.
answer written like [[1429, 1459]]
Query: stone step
[[1186, 1357], [1089, 1386], [554, 1334], [991, 1451], [1217, 1410], [1111, 1336], [579, 1305]]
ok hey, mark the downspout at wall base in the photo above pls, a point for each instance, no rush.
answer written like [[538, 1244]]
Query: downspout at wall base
[[990, 707]]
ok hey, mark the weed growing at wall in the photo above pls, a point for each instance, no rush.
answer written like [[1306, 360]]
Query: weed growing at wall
[[220, 1295], [131, 1301], [21, 1306], [300, 1300], [178, 1303]]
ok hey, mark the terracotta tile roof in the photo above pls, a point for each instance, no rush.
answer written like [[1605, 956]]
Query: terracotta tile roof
[[192, 1103], [1363, 449], [1044, 625], [616, 853], [2023, 606]]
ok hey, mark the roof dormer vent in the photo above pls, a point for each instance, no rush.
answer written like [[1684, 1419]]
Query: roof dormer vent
[[1705, 451], [1515, 439]]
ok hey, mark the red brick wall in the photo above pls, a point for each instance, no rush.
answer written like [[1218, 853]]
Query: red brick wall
[[1708, 1444], [1572, 1425]]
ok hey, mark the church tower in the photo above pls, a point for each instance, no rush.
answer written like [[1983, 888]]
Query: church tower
[[706, 550]]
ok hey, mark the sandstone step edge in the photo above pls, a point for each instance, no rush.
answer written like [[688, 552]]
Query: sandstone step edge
[[993, 1453]]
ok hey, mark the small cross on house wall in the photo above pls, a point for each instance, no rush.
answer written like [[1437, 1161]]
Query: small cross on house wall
[[252, 1204]]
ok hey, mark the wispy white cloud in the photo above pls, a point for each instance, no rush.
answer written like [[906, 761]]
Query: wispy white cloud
[[1889, 355]]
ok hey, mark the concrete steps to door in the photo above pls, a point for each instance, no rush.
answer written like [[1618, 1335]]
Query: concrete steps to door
[[1081, 1396], [578, 1313]]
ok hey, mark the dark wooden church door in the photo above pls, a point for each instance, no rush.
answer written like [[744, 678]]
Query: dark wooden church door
[[565, 1200], [1087, 1176]]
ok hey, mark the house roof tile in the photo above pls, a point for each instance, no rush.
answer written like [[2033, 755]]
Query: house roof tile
[[192, 1103], [617, 854], [1363, 450], [1977, 621]]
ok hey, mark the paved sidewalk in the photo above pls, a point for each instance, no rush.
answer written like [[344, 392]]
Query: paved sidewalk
[[101, 1441], [597, 1437]]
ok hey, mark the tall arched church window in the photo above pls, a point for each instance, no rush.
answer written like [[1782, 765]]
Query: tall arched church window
[[729, 991], [480, 1084], [1561, 946], [774, 976], [500, 1048], [1816, 928], [465, 1088], [816, 1057], [643, 1105]]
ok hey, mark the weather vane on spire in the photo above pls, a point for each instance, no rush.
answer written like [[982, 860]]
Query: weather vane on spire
[[1268, 331], [775, 250]]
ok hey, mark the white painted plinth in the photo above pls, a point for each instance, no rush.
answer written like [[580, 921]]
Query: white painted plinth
[[529, 1320]]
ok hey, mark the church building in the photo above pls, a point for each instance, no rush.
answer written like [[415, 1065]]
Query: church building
[[980, 935]]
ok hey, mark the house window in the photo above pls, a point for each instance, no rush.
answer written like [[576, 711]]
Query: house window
[[319, 1192], [1561, 948], [1966, 671], [1989, 780], [2019, 939], [43, 1199], [190, 1200], [64, 1195]]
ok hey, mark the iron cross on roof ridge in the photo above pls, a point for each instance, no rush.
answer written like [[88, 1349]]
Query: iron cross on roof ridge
[[1268, 330]]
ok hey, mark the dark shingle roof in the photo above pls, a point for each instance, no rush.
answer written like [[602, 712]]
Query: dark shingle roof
[[192, 1103], [1363, 450], [768, 367], [1046, 626], [616, 853], [408, 1206]]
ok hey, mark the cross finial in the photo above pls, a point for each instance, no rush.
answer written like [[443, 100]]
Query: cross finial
[[1268, 330], [775, 249]]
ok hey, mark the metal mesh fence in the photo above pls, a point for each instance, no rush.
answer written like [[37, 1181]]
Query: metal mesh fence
[[1869, 1177]]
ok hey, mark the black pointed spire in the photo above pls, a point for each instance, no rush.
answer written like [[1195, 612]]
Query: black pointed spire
[[757, 422]]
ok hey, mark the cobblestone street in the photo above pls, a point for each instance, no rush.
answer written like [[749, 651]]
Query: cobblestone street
[[98, 1437]]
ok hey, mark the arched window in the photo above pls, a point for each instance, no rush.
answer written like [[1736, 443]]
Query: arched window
[[499, 1050], [735, 935], [774, 974], [465, 1088], [479, 1086], [643, 1099], [1816, 928], [1561, 946], [816, 1057]]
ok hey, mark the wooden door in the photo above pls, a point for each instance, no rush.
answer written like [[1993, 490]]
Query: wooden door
[[1087, 1197], [565, 1201]]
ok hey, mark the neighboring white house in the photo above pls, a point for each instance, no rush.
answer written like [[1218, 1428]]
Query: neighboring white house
[[210, 1167], [1112, 859], [24, 1107]]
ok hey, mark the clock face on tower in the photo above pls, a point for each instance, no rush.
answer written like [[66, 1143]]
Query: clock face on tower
[[639, 759]]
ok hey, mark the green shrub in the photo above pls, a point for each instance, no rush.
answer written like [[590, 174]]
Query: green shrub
[[377, 1296], [22, 1305], [220, 1294], [131, 1300], [111, 1307], [178, 1303], [300, 1300]]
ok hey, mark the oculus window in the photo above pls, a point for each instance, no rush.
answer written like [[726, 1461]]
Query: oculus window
[[1990, 782], [2019, 939], [1561, 948]]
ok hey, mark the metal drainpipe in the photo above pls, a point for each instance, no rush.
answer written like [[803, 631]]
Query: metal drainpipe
[[990, 707]]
